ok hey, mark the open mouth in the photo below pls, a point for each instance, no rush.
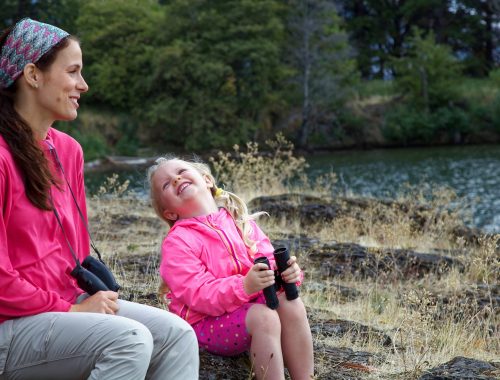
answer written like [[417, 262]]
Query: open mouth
[[182, 187], [74, 101]]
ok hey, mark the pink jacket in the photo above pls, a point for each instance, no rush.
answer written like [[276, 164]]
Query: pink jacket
[[204, 260], [35, 260]]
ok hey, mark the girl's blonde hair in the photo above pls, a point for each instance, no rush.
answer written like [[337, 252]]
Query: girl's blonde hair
[[230, 201]]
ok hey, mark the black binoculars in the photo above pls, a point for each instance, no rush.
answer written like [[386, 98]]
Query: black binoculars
[[93, 275], [281, 256]]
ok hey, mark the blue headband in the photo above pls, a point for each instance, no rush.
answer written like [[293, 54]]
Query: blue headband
[[28, 41]]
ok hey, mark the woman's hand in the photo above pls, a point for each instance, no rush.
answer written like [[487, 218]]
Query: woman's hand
[[292, 274], [258, 278], [103, 302]]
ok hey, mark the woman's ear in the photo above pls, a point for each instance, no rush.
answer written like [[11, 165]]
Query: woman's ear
[[170, 215], [31, 75]]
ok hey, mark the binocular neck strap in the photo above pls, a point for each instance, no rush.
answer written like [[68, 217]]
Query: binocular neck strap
[[64, 232], [59, 164]]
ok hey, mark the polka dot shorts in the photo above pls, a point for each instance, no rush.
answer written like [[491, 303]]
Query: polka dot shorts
[[226, 334]]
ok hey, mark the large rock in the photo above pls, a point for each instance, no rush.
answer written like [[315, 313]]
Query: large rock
[[338, 259], [310, 210], [464, 368]]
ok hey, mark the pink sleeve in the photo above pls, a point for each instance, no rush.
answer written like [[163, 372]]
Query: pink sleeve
[[191, 282], [19, 297]]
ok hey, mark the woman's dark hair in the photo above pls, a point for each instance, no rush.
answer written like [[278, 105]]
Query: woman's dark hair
[[27, 154]]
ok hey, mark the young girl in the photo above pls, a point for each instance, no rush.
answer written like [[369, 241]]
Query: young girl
[[207, 266]]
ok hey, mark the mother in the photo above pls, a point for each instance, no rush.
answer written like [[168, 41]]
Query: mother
[[50, 328]]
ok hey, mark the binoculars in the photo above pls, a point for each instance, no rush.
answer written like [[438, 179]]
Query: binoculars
[[93, 275], [281, 256]]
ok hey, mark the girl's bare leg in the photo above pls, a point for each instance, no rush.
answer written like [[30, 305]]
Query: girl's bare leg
[[263, 325], [296, 339]]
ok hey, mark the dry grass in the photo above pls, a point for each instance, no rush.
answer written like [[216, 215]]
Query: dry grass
[[425, 333]]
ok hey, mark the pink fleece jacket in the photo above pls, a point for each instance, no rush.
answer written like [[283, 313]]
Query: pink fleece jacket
[[35, 260], [204, 260]]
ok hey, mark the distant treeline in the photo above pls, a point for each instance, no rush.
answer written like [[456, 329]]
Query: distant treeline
[[208, 74]]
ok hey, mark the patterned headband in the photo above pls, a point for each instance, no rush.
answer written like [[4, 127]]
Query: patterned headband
[[28, 41]]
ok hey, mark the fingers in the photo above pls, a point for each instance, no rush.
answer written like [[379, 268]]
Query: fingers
[[292, 273], [104, 302], [292, 260]]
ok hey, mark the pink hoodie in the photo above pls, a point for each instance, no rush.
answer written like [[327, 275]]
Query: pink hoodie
[[204, 260], [35, 260]]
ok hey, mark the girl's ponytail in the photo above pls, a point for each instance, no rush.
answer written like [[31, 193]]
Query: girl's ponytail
[[239, 211]]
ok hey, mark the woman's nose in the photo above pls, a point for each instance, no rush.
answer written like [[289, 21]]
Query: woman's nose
[[177, 179], [82, 85]]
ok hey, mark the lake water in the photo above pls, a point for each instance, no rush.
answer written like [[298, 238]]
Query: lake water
[[473, 172]]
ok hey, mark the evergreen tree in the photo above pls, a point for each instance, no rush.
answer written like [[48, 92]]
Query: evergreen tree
[[428, 75], [322, 61]]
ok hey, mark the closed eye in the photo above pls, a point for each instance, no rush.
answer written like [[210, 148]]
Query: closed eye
[[165, 185]]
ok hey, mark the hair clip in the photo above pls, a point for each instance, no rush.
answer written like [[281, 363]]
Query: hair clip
[[218, 192]]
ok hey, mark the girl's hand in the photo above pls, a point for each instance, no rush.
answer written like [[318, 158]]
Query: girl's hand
[[103, 302], [258, 278], [292, 274]]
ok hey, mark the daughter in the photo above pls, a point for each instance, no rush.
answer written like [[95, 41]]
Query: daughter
[[211, 280]]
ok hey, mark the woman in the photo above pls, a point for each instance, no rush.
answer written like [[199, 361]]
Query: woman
[[50, 328]]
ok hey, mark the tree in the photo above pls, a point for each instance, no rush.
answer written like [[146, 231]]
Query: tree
[[379, 29], [322, 61], [118, 51], [217, 72], [62, 13], [428, 75]]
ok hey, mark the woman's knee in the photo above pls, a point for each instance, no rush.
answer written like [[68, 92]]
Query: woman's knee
[[132, 336]]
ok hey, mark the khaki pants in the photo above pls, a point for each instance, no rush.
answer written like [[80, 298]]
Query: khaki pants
[[139, 342]]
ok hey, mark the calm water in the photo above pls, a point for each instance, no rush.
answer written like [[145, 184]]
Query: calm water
[[473, 172]]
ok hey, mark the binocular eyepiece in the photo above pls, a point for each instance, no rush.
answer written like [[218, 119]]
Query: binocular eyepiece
[[281, 256], [93, 276]]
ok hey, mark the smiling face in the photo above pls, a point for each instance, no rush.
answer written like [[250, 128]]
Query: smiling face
[[61, 84], [183, 192]]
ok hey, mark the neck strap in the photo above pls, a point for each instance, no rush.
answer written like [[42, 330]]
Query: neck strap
[[59, 165]]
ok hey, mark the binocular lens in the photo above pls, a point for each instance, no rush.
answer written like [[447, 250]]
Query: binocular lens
[[93, 276], [87, 281], [101, 271]]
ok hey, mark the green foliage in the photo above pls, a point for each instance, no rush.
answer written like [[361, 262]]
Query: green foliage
[[408, 125], [62, 13], [117, 42], [216, 72], [428, 76], [319, 53]]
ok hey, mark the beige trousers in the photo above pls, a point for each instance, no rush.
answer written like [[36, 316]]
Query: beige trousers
[[139, 342]]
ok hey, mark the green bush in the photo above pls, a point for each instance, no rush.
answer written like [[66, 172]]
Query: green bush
[[408, 126]]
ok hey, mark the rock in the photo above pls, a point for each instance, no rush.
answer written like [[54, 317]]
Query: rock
[[339, 328], [463, 368], [306, 208], [348, 258]]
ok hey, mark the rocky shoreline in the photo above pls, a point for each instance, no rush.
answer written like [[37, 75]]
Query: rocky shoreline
[[331, 267]]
